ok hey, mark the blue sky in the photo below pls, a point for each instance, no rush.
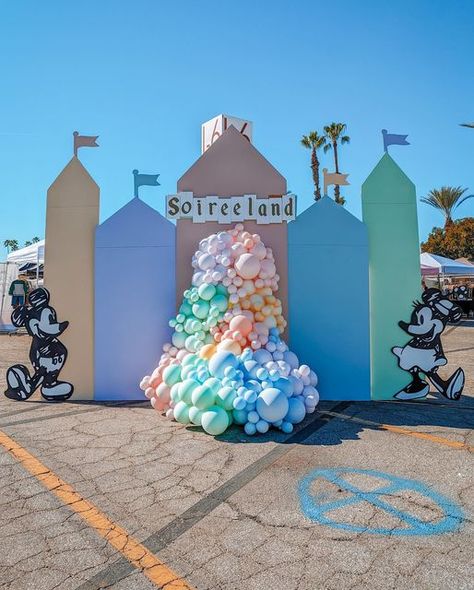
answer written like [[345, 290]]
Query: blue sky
[[145, 75]]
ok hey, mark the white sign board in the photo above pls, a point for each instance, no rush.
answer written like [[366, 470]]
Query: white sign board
[[213, 129], [231, 209]]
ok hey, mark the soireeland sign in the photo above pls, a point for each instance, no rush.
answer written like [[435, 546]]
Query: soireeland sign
[[275, 209]]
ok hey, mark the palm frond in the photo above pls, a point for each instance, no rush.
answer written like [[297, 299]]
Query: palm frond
[[334, 132], [445, 199], [464, 199], [469, 125], [313, 140]]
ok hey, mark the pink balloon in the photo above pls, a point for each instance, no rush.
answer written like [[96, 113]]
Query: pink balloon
[[149, 392], [248, 266], [163, 393], [145, 382]]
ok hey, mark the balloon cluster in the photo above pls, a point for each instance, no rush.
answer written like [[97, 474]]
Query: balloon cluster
[[226, 361]]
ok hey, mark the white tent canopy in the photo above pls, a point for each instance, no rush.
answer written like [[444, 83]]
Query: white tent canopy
[[432, 264], [33, 253]]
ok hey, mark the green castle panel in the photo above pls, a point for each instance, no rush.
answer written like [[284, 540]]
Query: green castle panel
[[389, 211]]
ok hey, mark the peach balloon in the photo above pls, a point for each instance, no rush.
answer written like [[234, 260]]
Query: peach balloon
[[229, 346], [207, 351], [241, 324]]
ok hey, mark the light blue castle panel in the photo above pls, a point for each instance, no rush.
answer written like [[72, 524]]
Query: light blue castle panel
[[329, 299], [134, 298]]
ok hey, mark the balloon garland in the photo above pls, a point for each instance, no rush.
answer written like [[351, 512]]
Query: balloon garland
[[226, 362]]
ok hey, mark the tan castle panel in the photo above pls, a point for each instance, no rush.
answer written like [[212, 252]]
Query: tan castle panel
[[71, 217], [231, 167]]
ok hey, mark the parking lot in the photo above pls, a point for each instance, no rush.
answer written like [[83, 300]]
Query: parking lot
[[362, 494]]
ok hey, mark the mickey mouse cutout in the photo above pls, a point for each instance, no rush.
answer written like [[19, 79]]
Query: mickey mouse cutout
[[424, 352], [47, 353]]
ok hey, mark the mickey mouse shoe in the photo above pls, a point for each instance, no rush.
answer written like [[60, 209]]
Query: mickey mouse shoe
[[19, 383], [57, 392]]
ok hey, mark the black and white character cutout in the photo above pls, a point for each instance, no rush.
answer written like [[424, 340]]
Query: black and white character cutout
[[423, 354], [47, 353]]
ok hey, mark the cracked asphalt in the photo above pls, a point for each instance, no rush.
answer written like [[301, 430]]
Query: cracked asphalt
[[225, 513]]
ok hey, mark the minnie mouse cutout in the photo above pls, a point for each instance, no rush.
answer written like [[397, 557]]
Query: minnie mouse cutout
[[47, 353], [424, 352]]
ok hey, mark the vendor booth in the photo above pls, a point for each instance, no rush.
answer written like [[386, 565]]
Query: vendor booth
[[30, 261], [454, 278]]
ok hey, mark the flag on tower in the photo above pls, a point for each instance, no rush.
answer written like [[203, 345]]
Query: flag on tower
[[143, 180], [393, 139], [84, 141], [334, 178]]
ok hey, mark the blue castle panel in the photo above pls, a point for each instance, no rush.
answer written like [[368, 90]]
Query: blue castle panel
[[134, 298], [329, 299]]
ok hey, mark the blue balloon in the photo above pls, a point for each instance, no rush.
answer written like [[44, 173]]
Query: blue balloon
[[220, 361], [296, 411], [262, 356], [284, 385], [251, 368]]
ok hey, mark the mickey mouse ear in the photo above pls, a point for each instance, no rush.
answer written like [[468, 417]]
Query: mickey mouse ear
[[19, 316]]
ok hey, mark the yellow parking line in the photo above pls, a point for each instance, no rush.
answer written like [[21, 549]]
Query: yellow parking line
[[425, 436], [404, 431], [138, 555]]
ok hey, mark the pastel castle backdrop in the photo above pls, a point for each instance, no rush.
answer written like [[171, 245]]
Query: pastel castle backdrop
[[338, 274]]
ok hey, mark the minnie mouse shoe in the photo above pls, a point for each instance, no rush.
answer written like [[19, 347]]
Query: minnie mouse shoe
[[19, 386], [57, 392], [413, 391], [455, 385]]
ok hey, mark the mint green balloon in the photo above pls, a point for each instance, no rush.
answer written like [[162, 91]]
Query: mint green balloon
[[174, 392], [186, 389], [201, 309], [190, 343], [225, 397], [178, 339], [185, 309], [203, 397], [208, 339], [221, 289], [189, 360], [181, 413], [188, 326], [213, 383], [186, 370], [172, 374], [206, 291], [220, 301], [195, 415], [215, 420]]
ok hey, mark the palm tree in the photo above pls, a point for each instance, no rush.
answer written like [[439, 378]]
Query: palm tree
[[334, 134], [35, 240], [313, 141], [11, 245], [28, 243], [470, 125], [446, 199]]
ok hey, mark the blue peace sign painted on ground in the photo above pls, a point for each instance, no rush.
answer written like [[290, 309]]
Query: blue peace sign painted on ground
[[318, 506]]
